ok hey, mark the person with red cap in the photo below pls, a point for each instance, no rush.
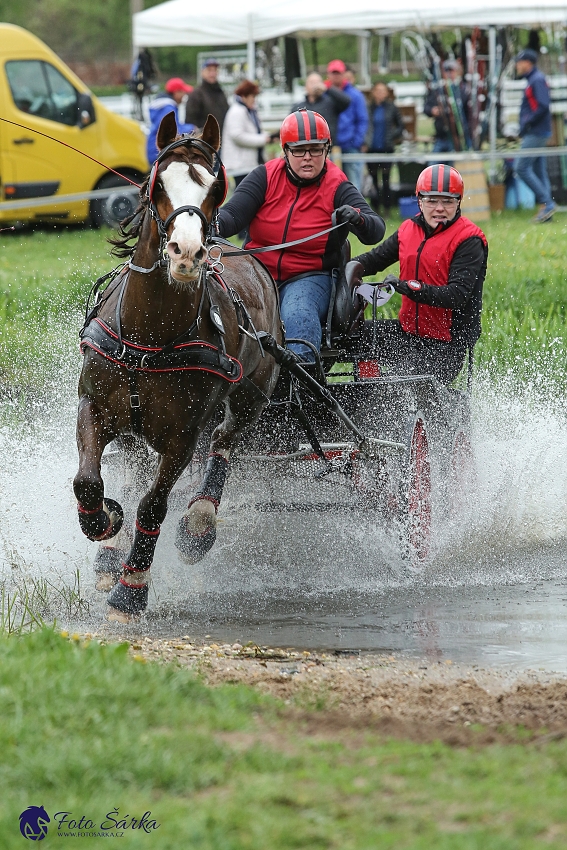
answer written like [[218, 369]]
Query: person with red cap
[[289, 198], [165, 102], [327, 101], [442, 257]]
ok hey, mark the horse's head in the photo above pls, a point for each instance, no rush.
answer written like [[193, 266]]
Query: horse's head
[[186, 185]]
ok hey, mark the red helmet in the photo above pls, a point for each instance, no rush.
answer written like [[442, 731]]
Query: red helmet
[[441, 180], [304, 128]]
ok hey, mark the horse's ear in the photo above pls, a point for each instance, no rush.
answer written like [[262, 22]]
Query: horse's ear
[[167, 132], [211, 132]]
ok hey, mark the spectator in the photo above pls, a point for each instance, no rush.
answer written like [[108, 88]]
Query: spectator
[[243, 139], [328, 102], [352, 122], [535, 130], [165, 102], [450, 132], [385, 128], [208, 97]]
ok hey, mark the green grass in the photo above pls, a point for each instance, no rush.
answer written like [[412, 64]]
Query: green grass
[[85, 729]]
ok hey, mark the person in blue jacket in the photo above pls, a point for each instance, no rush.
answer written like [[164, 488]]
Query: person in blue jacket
[[535, 131], [164, 102], [353, 122]]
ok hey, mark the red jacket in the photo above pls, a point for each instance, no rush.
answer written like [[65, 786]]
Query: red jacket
[[291, 212], [429, 260]]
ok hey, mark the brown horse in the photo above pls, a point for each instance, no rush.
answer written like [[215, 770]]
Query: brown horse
[[170, 338]]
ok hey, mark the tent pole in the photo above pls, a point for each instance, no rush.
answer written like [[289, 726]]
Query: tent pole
[[493, 85], [251, 51], [364, 77]]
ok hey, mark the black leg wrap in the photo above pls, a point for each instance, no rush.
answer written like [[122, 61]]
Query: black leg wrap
[[109, 560], [129, 600], [213, 480], [194, 547], [96, 525], [141, 554]]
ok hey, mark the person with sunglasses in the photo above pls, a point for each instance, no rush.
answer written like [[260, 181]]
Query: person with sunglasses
[[302, 194], [443, 258]]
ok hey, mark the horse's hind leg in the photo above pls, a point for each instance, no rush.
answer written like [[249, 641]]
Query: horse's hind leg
[[99, 518], [129, 596]]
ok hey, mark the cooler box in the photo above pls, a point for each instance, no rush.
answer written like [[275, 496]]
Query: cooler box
[[408, 207]]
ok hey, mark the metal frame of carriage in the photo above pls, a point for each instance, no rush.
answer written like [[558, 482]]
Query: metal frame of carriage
[[396, 443]]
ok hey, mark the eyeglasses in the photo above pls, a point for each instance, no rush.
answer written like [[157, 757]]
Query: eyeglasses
[[315, 151], [434, 202]]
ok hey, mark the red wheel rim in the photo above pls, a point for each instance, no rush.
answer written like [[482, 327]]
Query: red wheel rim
[[419, 493]]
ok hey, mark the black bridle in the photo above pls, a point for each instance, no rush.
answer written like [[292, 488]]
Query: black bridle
[[213, 161]]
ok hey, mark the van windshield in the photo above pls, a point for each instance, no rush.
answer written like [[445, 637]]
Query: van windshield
[[40, 89]]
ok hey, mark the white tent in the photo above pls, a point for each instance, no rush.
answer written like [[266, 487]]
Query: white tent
[[184, 22]]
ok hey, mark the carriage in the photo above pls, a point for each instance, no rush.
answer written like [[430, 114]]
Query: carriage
[[188, 327]]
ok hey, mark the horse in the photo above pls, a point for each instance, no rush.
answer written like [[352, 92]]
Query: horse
[[173, 335]]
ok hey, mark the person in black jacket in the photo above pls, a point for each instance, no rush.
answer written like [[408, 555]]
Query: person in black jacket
[[328, 101], [442, 257], [385, 128], [207, 97]]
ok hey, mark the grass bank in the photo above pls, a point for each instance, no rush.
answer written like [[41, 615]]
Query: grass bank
[[87, 730]]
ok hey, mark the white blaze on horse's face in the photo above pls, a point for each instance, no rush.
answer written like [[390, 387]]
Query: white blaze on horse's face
[[185, 247]]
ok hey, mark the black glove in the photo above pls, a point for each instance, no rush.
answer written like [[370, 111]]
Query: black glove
[[354, 272], [347, 215], [404, 287]]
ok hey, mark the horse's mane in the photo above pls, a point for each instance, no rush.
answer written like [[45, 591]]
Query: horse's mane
[[129, 229]]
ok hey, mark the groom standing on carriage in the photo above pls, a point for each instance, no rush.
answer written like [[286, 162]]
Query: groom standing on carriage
[[303, 194]]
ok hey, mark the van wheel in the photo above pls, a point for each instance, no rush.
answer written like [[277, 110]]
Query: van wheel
[[114, 208]]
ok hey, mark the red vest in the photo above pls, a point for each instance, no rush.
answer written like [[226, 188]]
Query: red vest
[[291, 212], [429, 260]]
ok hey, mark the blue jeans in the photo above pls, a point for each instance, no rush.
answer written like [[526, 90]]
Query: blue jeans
[[353, 170], [533, 169], [304, 307]]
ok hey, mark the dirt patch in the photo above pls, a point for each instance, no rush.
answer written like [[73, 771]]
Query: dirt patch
[[355, 694]]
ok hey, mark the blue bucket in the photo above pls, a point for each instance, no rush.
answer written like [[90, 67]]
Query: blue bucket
[[408, 207]]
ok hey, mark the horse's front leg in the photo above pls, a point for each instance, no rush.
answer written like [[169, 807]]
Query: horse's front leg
[[99, 518], [129, 596]]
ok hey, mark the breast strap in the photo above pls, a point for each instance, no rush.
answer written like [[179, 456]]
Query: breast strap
[[194, 355]]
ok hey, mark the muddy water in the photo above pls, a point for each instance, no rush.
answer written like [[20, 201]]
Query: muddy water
[[494, 591]]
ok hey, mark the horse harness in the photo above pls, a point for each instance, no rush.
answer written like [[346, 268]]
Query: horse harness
[[185, 353]]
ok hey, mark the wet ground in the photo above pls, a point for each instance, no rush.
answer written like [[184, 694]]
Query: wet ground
[[493, 593]]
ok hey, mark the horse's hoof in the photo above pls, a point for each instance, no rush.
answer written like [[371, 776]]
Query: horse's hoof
[[194, 547], [108, 567], [128, 599], [116, 616], [102, 523]]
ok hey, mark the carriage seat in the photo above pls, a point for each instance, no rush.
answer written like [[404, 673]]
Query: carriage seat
[[346, 309]]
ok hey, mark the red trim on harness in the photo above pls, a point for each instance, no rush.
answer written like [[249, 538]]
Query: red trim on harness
[[83, 510], [133, 586], [128, 569], [145, 530], [201, 499]]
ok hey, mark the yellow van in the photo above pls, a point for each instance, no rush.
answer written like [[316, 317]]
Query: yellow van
[[39, 92]]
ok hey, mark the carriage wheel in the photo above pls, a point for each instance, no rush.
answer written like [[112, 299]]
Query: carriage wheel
[[418, 494], [462, 474]]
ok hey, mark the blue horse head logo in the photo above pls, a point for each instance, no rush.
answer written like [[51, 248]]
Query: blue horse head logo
[[33, 823]]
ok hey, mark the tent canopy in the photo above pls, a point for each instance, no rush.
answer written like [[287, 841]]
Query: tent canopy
[[183, 22]]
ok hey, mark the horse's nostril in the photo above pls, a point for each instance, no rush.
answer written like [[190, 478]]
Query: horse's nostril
[[200, 254]]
